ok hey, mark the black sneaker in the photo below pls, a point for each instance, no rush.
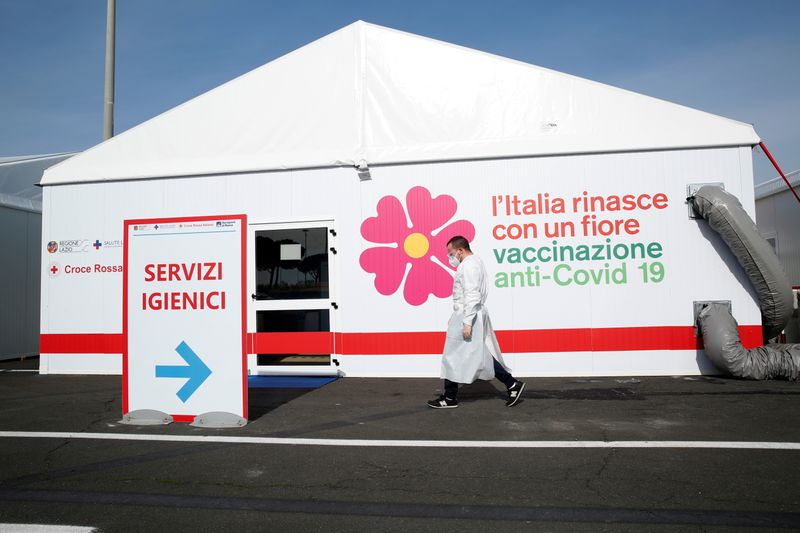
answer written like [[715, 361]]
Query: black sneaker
[[514, 393], [443, 403]]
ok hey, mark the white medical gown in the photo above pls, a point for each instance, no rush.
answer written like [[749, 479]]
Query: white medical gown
[[465, 361]]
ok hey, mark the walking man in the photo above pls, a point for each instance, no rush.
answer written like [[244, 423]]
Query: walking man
[[471, 351]]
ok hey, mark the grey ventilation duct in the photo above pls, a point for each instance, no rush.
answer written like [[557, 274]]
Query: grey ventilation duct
[[726, 216], [722, 346]]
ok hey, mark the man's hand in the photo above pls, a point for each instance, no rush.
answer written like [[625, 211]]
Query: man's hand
[[467, 333]]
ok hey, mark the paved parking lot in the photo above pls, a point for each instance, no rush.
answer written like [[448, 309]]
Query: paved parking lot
[[708, 454]]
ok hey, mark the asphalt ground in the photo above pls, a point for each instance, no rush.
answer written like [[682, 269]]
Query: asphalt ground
[[146, 485]]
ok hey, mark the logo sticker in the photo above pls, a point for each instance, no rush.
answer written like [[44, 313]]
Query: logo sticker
[[423, 245]]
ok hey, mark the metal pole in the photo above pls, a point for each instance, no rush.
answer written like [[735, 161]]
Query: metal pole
[[108, 101], [775, 164]]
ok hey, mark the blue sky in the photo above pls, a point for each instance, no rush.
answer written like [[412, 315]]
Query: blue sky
[[739, 59]]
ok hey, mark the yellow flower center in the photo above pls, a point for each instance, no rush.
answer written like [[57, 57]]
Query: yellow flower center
[[416, 245]]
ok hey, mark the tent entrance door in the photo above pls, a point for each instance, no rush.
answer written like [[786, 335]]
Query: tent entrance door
[[291, 308]]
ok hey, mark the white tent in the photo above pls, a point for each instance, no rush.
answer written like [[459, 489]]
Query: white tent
[[432, 120], [19, 176], [20, 240], [372, 94]]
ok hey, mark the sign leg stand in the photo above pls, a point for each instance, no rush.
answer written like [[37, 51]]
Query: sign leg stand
[[146, 417], [218, 419]]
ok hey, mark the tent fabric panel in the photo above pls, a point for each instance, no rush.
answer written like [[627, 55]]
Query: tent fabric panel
[[19, 176], [286, 114], [371, 93], [434, 101]]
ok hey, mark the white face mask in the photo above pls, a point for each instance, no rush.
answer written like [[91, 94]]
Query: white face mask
[[454, 262]]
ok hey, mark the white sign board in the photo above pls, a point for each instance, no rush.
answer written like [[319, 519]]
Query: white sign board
[[184, 316]]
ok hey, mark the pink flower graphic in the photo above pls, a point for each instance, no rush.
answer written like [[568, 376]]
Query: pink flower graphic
[[418, 245]]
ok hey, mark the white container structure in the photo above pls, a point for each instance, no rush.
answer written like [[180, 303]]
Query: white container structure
[[355, 159], [20, 238], [777, 218]]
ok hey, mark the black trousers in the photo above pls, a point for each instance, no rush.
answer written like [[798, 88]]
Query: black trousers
[[451, 387]]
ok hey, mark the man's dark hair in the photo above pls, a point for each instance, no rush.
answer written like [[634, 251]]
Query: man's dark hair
[[459, 242]]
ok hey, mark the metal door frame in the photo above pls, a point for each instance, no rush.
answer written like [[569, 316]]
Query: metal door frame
[[253, 305]]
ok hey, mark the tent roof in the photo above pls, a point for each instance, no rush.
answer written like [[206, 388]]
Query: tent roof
[[370, 93], [19, 176], [776, 185]]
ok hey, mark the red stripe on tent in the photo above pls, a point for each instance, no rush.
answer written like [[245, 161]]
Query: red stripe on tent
[[751, 336], [666, 337], [671, 338], [317, 342], [80, 343], [389, 343], [512, 341], [545, 340]]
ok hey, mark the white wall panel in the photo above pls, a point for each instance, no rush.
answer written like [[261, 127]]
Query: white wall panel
[[95, 364], [263, 197], [697, 265], [779, 218], [19, 284]]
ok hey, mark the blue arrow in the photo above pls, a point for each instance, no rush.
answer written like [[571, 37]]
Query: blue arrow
[[196, 371]]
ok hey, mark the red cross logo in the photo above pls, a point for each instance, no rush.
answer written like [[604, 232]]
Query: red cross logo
[[54, 270]]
